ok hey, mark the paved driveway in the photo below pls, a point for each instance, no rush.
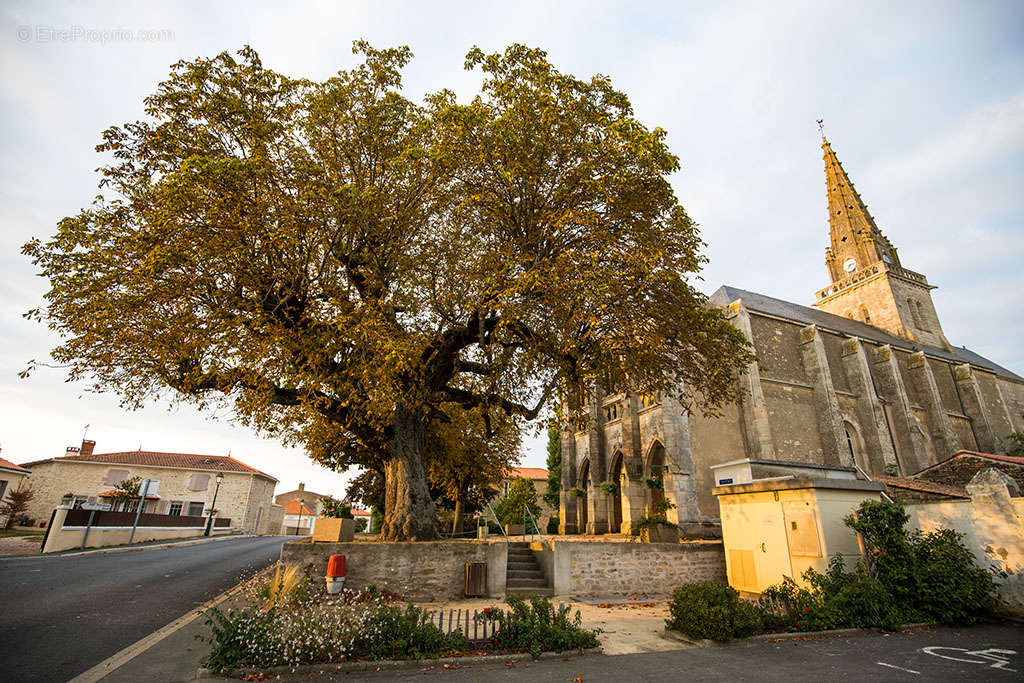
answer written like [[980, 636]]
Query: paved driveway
[[63, 615]]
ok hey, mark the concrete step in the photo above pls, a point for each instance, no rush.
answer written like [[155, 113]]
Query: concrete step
[[523, 574], [525, 562], [537, 582], [528, 591]]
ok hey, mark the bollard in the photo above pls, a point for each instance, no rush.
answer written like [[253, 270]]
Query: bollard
[[335, 574]]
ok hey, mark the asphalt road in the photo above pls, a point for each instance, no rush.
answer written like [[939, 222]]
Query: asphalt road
[[989, 653], [59, 616]]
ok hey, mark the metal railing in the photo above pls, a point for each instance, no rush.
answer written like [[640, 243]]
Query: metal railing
[[529, 515], [508, 543], [866, 476]]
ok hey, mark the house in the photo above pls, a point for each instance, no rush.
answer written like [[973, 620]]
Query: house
[[11, 477], [298, 519], [187, 484], [308, 498]]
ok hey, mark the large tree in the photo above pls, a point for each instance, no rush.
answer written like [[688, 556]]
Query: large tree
[[337, 262]]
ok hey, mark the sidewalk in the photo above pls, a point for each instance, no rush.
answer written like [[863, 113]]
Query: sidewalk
[[125, 548]]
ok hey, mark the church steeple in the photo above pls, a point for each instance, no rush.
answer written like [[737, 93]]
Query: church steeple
[[856, 241], [868, 281]]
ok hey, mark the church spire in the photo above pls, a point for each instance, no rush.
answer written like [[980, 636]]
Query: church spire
[[868, 282], [857, 242]]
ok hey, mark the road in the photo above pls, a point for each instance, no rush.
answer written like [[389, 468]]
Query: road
[[990, 653], [63, 615]]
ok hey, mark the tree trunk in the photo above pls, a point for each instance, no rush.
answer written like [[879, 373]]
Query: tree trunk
[[457, 522], [408, 509]]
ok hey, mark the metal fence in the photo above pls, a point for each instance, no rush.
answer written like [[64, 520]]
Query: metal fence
[[474, 624]]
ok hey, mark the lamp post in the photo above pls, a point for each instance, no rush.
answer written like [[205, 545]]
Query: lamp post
[[209, 521]]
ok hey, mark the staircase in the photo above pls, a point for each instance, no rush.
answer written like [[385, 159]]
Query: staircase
[[523, 575]]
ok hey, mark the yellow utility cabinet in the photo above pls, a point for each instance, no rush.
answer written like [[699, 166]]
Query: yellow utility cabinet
[[772, 528]]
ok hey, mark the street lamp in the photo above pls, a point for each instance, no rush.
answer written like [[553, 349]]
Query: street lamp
[[213, 505]]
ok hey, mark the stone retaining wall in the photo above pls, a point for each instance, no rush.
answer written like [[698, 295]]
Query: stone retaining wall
[[584, 568], [426, 571]]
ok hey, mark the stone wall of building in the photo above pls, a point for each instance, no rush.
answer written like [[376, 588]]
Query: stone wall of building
[[422, 571], [238, 498]]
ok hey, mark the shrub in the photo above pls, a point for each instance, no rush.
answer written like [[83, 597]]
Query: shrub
[[712, 610], [394, 632], [521, 492], [538, 627], [338, 509], [552, 524], [361, 525], [930, 576], [906, 577]]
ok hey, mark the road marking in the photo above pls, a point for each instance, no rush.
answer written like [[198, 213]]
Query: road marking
[[893, 666], [119, 659], [994, 657]]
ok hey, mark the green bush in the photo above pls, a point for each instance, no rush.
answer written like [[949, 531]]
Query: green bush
[[712, 610], [394, 632], [552, 524], [906, 577], [538, 627], [931, 577], [361, 525], [521, 492]]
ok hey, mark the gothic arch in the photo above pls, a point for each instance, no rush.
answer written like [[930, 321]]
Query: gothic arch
[[655, 467], [857, 449], [617, 476]]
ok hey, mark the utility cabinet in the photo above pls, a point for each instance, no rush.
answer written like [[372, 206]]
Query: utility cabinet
[[778, 527]]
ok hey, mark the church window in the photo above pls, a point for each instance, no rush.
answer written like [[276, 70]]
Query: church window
[[864, 315]]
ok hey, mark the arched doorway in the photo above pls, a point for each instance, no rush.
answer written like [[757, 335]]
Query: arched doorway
[[618, 477], [656, 471], [582, 481]]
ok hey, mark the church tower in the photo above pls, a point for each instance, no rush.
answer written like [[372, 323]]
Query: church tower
[[868, 282]]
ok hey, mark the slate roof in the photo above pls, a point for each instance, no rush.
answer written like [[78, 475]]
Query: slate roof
[[725, 295], [190, 461]]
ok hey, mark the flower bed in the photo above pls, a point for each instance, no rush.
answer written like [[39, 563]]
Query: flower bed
[[290, 620]]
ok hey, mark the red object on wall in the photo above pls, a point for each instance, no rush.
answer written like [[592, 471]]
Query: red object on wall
[[336, 566]]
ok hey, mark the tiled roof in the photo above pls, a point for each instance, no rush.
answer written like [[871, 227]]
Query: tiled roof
[[112, 493], [806, 315], [984, 456], [296, 507], [190, 461], [922, 485], [8, 465], [529, 473]]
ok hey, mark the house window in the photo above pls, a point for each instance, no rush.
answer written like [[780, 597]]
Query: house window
[[175, 508], [195, 509], [77, 502], [115, 477]]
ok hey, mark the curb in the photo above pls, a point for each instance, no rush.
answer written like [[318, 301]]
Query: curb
[[834, 632], [391, 664], [119, 659]]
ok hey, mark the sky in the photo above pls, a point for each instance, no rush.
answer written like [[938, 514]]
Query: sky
[[923, 103]]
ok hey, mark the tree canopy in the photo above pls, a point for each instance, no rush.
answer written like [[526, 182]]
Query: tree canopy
[[340, 265]]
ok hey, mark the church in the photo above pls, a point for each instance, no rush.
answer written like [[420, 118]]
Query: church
[[865, 378]]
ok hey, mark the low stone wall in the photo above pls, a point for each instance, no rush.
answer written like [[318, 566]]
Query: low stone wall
[[602, 568], [425, 571]]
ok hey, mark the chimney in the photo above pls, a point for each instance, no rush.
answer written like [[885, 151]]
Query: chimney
[[87, 447], [302, 487]]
